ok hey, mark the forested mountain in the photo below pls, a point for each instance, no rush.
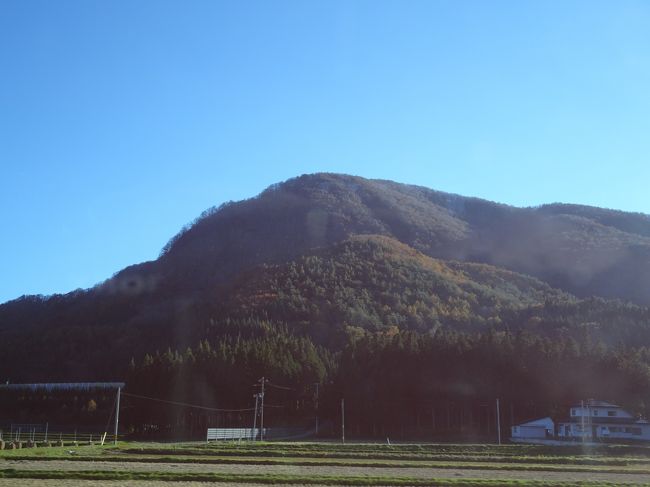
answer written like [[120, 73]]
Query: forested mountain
[[585, 251], [363, 284], [377, 284], [329, 278]]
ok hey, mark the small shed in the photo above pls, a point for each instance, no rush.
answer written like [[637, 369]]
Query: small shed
[[538, 428]]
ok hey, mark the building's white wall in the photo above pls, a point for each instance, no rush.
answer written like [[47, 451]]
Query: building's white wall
[[599, 412], [630, 431], [646, 432], [539, 428], [574, 430], [627, 431], [529, 432]]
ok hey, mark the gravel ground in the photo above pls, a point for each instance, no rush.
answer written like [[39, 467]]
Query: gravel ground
[[320, 470]]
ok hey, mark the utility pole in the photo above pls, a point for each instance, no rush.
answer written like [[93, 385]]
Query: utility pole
[[589, 420], [582, 419], [117, 414], [262, 381], [498, 422], [257, 397], [316, 408], [343, 420]]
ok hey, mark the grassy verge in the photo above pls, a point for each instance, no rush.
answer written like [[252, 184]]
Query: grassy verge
[[428, 448], [55, 452], [297, 462], [399, 451], [288, 454], [287, 479], [350, 457]]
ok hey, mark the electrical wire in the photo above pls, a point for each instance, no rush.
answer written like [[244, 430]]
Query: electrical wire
[[280, 387], [184, 404]]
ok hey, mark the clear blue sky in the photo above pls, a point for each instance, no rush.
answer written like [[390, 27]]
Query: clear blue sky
[[120, 121]]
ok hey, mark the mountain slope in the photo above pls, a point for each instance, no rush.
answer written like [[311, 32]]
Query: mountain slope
[[363, 285], [369, 283], [578, 250], [376, 283], [585, 251]]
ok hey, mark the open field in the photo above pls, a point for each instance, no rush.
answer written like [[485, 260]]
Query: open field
[[196, 464]]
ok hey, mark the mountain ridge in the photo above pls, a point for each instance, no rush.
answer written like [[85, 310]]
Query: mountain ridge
[[583, 250], [451, 218]]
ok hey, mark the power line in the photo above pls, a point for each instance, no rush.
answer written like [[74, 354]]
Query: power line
[[184, 404], [280, 387]]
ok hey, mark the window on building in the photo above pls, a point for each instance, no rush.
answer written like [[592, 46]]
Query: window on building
[[633, 431], [595, 412], [573, 412], [611, 413]]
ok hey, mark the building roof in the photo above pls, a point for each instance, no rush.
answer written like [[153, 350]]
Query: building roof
[[63, 386], [602, 421], [593, 403], [536, 422]]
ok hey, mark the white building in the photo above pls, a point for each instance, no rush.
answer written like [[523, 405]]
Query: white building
[[591, 421], [596, 420], [536, 429]]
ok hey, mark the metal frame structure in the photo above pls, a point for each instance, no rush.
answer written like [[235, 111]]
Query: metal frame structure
[[73, 386]]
